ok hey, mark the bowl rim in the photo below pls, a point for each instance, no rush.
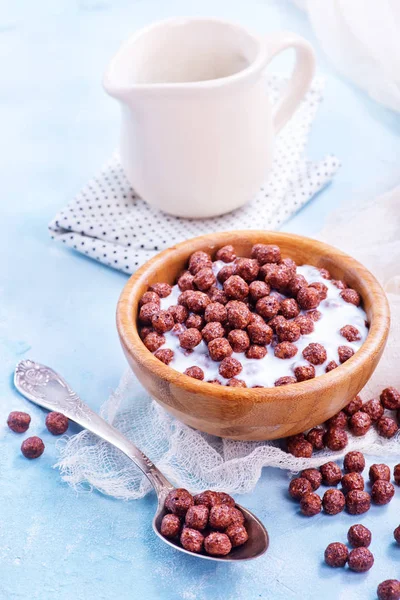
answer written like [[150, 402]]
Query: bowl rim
[[129, 336]]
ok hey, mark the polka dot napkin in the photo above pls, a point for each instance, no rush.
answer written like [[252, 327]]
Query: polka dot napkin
[[109, 223]]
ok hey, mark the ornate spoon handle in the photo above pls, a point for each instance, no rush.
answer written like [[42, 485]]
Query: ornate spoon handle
[[45, 387]]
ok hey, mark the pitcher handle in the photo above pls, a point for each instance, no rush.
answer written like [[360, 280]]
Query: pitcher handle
[[302, 75]]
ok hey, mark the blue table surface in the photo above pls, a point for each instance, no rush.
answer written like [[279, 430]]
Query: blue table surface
[[58, 307]]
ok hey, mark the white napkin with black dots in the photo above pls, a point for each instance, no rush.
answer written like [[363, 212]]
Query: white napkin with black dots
[[109, 223]]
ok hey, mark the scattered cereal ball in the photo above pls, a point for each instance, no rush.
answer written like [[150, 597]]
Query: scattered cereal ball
[[224, 498], [360, 560], [396, 534], [373, 408], [185, 281], [351, 333], [144, 331], [197, 517], [360, 423], [197, 302], [230, 367], [192, 540], [247, 268], [259, 333], [198, 260], [56, 423], [333, 502], [238, 314], [382, 492], [165, 355], [358, 502], [149, 297], [206, 498], [287, 331], [338, 420], [32, 447], [162, 321], [274, 322], [223, 515], [18, 421], [387, 427], [308, 298], [379, 471], [153, 341], [321, 289], [266, 253], [316, 437], [331, 473], [354, 462], [212, 331], [256, 352], [389, 590], [304, 372], [315, 354], [339, 284], [290, 265], [147, 312], [396, 474], [217, 544], [178, 501], [226, 272], [315, 315], [294, 285], [215, 312], [233, 382], [285, 350], [227, 254], [161, 289], [268, 307], [235, 287], [335, 439], [352, 481], [237, 535], [217, 295], [336, 555], [289, 309], [313, 476], [310, 504], [170, 526], [299, 486], [194, 372], [351, 296], [299, 447], [194, 321], [390, 398], [305, 323], [359, 536], [190, 338], [239, 340], [330, 366], [352, 407], [344, 353], [179, 313], [184, 297], [219, 349], [325, 273], [278, 276], [258, 289], [286, 380], [204, 279]]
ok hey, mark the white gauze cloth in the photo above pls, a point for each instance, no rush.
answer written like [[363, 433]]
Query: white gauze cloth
[[109, 223], [199, 461]]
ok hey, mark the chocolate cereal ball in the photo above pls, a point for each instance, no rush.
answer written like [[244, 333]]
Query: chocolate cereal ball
[[147, 312], [170, 526], [226, 272], [316, 437], [230, 367], [315, 354], [247, 268], [18, 421], [259, 333], [235, 287], [296, 282], [396, 474], [233, 382], [266, 253], [389, 590], [217, 295], [330, 366], [222, 515], [278, 276], [258, 289], [204, 279], [336, 555], [227, 254], [215, 312], [305, 323], [255, 351], [308, 298], [197, 517], [198, 260], [360, 423], [390, 398], [352, 481], [333, 501], [178, 501], [217, 544], [335, 439], [339, 420], [396, 534], [351, 333], [331, 473], [194, 321], [239, 340], [179, 313], [32, 447], [189, 339], [149, 297], [387, 427], [289, 309], [153, 340], [56, 423], [358, 502], [268, 307], [344, 353], [285, 350], [359, 536], [286, 380], [354, 462], [379, 471], [237, 535], [374, 409], [161, 289], [219, 349], [192, 540], [206, 498], [185, 281], [194, 372], [239, 316], [382, 492], [287, 331], [304, 372], [299, 447], [299, 486], [353, 406], [351, 296], [321, 289], [224, 498], [212, 331], [313, 476], [360, 560], [310, 504], [162, 321]]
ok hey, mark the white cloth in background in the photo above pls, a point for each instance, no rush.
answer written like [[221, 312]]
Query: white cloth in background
[[109, 223], [199, 461]]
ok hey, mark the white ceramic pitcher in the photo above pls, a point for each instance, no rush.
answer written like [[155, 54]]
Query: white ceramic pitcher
[[197, 125]]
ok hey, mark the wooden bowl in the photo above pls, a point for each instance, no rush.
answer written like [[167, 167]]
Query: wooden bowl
[[260, 413]]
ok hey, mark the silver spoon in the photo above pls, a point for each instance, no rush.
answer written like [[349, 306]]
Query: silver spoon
[[45, 387]]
